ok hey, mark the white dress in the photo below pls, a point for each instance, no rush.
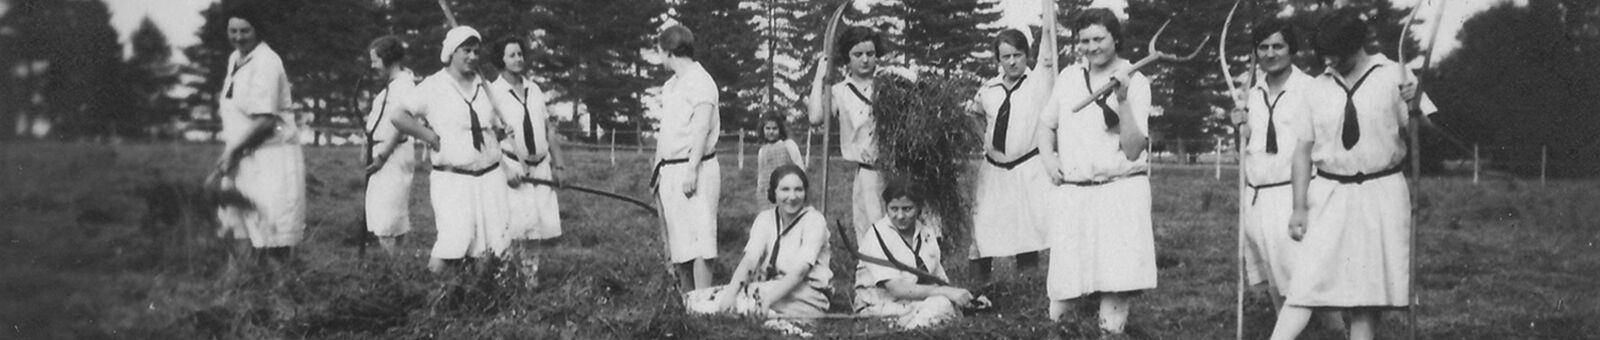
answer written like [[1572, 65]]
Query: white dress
[[273, 176], [388, 198], [811, 297], [1357, 247], [858, 143], [535, 213], [691, 221], [467, 187], [1012, 188], [1102, 239], [922, 251], [1270, 199], [770, 157]]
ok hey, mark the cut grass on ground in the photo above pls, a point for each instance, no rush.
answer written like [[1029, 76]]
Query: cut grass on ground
[[110, 241]]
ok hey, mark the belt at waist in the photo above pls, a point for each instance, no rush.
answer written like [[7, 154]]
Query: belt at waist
[[468, 172], [1358, 178], [1108, 180], [1255, 190], [1014, 163], [656, 173], [867, 166], [514, 157]]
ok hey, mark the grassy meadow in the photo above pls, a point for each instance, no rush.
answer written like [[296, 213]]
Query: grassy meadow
[[103, 241]]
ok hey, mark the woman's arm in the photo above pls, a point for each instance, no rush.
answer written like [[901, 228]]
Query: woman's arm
[[795, 274], [700, 123], [819, 105], [1135, 94], [1045, 138], [1300, 181], [262, 126]]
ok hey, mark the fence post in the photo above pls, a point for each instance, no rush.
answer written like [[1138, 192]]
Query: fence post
[[1544, 162], [1217, 160], [741, 148], [1477, 163], [638, 139], [613, 134]]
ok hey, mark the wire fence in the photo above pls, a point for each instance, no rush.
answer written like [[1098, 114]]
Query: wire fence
[[1218, 154]]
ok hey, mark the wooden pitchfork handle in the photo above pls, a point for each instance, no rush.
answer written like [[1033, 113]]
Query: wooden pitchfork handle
[[1153, 57]]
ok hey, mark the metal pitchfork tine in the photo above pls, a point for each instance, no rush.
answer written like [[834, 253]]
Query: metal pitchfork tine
[[1153, 57]]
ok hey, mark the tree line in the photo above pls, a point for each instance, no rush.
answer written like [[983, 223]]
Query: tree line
[[67, 66]]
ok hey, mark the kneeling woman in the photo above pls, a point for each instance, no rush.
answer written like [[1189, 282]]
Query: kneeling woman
[[785, 267]]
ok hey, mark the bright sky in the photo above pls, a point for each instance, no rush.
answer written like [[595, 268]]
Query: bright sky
[[1026, 12], [180, 19]]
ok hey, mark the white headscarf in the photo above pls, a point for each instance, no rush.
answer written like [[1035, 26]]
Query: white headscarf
[[453, 40]]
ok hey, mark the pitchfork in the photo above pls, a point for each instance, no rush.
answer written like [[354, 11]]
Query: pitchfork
[[1153, 57]]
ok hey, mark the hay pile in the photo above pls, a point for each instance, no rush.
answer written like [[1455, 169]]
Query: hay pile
[[926, 137]]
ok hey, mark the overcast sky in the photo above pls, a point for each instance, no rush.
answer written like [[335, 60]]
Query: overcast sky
[[180, 19]]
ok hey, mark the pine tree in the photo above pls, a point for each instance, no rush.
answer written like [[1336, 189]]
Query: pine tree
[[948, 35], [726, 42]]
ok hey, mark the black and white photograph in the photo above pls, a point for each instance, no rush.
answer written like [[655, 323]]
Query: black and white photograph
[[800, 169]]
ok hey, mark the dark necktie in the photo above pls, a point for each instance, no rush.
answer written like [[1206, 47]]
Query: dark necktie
[[1352, 128], [1272, 129], [477, 129], [1110, 115], [527, 121], [231, 73], [1003, 119], [772, 258]]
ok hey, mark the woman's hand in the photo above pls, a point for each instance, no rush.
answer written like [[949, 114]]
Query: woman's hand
[[1297, 224], [377, 163], [691, 184], [1052, 167], [1120, 78]]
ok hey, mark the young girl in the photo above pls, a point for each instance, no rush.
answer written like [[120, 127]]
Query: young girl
[[777, 150]]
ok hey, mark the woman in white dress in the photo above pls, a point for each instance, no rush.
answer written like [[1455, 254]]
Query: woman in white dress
[[535, 214], [467, 187], [1102, 244], [393, 156], [909, 237], [784, 271], [688, 175], [261, 156], [1353, 220], [859, 48], [1009, 216]]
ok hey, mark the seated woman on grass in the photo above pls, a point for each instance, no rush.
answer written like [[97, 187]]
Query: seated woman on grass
[[784, 272], [904, 237]]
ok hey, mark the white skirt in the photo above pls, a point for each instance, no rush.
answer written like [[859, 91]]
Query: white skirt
[[691, 221], [1357, 247], [274, 179], [470, 214], [1102, 240], [866, 200], [1269, 252], [535, 212], [1009, 215], [388, 198]]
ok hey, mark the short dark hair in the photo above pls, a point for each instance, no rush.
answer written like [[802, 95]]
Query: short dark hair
[[677, 41], [251, 12], [1104, 18], [779, 174], [497, 51], [1013, 37], [783, 132], [901, 189], [1341, 33], [855, 35], [389, 49], [1266, 29]]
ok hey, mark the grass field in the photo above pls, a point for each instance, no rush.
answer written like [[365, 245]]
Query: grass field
[[111, 242]]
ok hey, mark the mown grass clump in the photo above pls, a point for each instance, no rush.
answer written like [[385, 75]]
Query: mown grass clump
[[926, 138]]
